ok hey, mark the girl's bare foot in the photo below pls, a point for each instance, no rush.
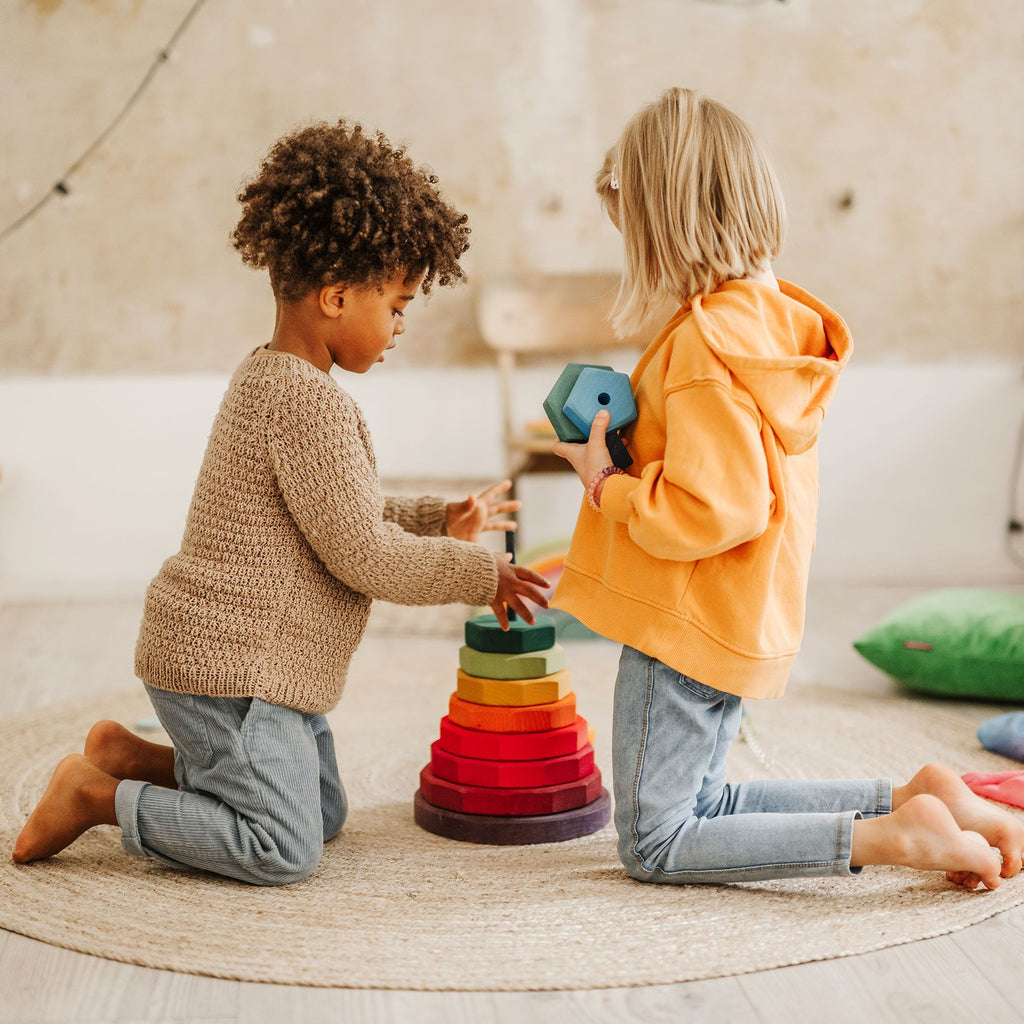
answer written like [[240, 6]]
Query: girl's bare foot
[[122, 754], [923, 834], [971, 812], [78, 796]]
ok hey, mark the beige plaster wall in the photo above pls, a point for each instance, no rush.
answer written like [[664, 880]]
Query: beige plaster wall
[[895, 125]]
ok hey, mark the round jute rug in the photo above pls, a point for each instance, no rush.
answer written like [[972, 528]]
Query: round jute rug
[[393, 906]]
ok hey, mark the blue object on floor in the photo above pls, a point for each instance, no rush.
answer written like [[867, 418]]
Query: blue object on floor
[[1004, 735]]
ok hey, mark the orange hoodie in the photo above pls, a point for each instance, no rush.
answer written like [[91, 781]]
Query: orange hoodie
[[699, 556]]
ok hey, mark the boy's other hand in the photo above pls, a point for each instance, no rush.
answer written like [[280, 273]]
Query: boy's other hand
[[516, 585], [590, 457], [466, 520]]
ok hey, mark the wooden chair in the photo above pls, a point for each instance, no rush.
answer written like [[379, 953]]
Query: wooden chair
[[544, 315]]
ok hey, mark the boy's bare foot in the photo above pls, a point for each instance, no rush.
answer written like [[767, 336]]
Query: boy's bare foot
[[923, 834], [122, 754], [971, 812], [78, 796]]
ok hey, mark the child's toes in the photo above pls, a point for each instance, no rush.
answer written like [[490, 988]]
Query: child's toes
[[1011, 861], [986, 860], [965, 879], [1008, 842], [961, 878]]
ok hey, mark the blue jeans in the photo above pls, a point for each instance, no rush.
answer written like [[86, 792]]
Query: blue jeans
[[259, 791], [677, 818]]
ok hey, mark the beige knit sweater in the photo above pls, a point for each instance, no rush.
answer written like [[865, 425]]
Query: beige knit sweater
[[287, 541]]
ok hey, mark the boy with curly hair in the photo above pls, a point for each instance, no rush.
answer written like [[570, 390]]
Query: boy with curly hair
[[248, 630]]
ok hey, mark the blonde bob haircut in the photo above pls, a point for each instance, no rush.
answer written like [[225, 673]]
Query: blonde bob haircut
[[696, 201]]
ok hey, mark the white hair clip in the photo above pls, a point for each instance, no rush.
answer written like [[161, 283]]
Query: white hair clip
[[614, 183]]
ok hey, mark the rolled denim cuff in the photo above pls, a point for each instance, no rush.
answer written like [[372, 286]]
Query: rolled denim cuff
[[844, 843]]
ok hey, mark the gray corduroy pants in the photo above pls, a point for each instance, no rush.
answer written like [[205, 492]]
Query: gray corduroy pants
[[258, 790]]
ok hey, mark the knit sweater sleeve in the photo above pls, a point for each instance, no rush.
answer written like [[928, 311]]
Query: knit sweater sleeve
[[321, 454], [709, 492], [421, 516]]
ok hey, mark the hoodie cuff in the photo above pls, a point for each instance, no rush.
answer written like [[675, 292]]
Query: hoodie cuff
[[615, 495]]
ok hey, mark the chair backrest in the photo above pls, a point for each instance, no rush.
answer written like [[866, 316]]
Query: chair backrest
[[538, 313]]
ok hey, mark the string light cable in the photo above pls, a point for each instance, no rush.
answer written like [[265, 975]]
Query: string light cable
[[61, 188]]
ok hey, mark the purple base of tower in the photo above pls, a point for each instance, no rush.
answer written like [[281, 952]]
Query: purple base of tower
[[500, 830]]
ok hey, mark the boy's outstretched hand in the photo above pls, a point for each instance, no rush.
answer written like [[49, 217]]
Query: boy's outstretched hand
[[466, 520], [516, 585]]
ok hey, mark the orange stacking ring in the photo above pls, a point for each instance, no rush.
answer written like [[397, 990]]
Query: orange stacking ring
[[498, 718]]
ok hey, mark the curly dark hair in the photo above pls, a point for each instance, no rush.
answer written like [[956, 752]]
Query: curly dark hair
[[333, 203]]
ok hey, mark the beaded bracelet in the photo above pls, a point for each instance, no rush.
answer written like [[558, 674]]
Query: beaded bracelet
[[592, 489]]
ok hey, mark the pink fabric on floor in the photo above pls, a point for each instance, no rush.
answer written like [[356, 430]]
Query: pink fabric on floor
[[1006, 787]]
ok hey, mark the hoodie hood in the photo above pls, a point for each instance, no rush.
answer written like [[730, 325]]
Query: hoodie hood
[[784, 346]]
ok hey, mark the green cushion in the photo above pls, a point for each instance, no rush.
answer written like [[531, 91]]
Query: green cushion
[[959, 643]]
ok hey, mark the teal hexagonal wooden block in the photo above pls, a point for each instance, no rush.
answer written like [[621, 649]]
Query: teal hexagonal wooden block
[[484, 634], [554, 404], [597, 388], [529, 665]]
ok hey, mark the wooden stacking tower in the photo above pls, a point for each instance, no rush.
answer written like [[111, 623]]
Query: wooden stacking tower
[[514, 763]]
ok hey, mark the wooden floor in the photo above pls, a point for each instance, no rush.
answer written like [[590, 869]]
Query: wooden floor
[[48, 653]]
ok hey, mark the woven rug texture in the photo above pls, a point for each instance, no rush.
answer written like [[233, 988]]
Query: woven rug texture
[[394, 907]]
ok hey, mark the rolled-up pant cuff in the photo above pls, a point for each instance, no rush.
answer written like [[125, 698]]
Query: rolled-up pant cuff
[[844, 844], [126, 807], [884, 798]]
